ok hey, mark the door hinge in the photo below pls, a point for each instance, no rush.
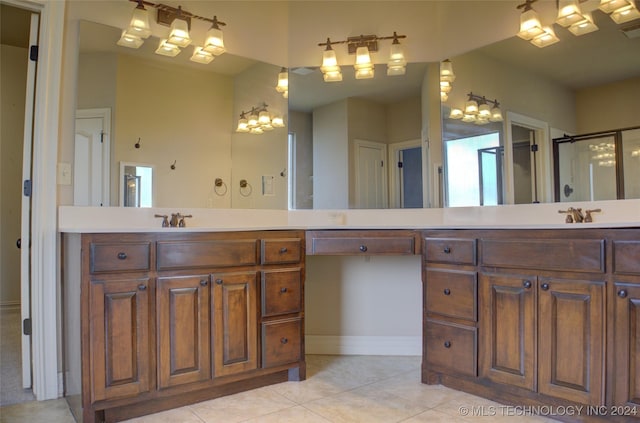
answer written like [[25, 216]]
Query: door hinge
[[26, 188], [26, 326], [33, 53], [534, 148], [399, 165]]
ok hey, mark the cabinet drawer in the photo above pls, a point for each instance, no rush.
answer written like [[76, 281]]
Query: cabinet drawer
[[626, 257], [284, 250], [214, 253], [450, 250], [451, 348], [581, 255], [281, 292], [356, 243], [281, 342], [451, 293], [119, 257]]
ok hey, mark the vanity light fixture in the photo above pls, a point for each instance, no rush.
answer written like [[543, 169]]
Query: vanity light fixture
[[625, 14], [530, 25], [547, 38], [362, 46], [478, 110], [584, 26], [569, 13], [609, 6], [180, 22], [258, 120], [446, 79], [283, 82]]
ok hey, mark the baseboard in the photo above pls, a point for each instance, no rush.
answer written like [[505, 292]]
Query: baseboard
[[363, 345], [10, 305]]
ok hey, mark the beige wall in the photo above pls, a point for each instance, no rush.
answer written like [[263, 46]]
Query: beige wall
[[594, 106], [13, 71], [404, 120], [301, 125]]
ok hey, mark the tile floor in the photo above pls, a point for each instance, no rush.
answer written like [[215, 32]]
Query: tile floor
[[338, 389]]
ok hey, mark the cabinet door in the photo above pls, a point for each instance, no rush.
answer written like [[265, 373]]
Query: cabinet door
[[627, 345], [235, 336], [507, 329], [182, 314], [571, 340], [119, 338]]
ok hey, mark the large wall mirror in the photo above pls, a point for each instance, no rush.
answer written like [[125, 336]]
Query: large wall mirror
[[179, 117]]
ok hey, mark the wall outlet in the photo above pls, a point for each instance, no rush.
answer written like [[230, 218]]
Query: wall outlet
[[64, 173]]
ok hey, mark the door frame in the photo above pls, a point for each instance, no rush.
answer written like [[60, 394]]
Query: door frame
[[45, 269], [394, 175], [543, 170], [356, 156]]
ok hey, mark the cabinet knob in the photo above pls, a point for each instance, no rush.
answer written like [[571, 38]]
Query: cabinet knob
[[622, 293], [219, 281], [526, 284], [447, 250], [283, 250], [545, 286], [284, 340], [447, 344], [142, 287], [283, 290], [447, 291], [363, 248], [122, 255], [204, 282]]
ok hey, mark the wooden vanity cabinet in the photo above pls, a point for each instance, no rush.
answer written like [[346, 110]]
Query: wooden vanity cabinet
[[174, 318]]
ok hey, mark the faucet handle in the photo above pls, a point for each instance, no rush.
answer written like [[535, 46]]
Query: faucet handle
[[182, 223], [569, 218], [165, 221], [588, 218]]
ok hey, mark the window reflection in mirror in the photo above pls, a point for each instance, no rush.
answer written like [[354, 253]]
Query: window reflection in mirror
[[136, 185]]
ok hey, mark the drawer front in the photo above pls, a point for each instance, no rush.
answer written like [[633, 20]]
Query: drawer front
[[451, 348], [214, 253], [120, 257], [281, 342], [283, 250], [626, 257], [363, 246], [450, 250], [580, 255], [281, 292], [451, 293]]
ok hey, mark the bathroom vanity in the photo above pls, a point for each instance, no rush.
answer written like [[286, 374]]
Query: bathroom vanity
[[524, 316]]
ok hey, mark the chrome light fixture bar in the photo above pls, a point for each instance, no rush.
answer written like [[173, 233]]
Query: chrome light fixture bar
[[180, 22], [362, 46]]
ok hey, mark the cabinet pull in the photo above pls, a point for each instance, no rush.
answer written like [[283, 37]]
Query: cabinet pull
[[447, 291], [204, 282], [122, 255], [447, 344], [219, 281], [283, 290], [526, 284], [363, 248], [544, 286], [283, 250], [283, 340], [447, 250], [622, 293], [142, 287]]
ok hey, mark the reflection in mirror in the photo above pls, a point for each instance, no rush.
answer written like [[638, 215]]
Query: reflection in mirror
[[136, 185], [167, 110], [346, 135], [579, 85]]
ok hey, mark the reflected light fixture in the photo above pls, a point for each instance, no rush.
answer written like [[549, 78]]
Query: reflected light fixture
[[283, 82], [625, 14], [478, 110], [530, 25], [180, 22], [362, 46], [446, 79], [609, 6], [584, 26], [568, 13], [259, 120], [547, 38]]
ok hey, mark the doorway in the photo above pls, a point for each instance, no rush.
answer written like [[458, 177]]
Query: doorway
[[91, 157], [370, 175], [19, 29], [406, 177]]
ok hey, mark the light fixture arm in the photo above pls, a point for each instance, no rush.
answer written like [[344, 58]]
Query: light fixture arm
[[177, 12], [369, 41], [482, 99], [526, 5]]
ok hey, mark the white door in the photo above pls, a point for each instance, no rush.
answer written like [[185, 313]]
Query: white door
[[91, 158], [25, 225], [370, 175]]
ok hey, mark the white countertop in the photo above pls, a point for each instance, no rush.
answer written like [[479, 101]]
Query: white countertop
[[615, 214]]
